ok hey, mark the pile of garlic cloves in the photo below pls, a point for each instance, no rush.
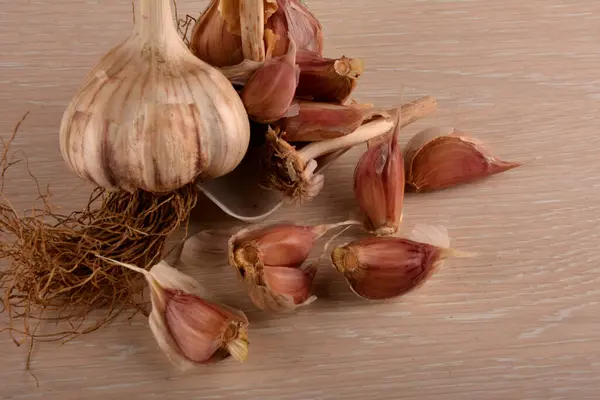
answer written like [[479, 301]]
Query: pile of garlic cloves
[[302, 112], [259, 79]]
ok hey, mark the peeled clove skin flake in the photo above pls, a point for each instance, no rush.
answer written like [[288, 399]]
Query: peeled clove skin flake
[[327, 79], [442, 157], [380, 268], [379, 185]]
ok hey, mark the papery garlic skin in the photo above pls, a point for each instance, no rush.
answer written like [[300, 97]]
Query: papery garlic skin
[[441, 157], [293, 20], [152, 116]]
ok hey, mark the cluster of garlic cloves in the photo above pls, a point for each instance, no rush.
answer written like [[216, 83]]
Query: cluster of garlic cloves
[[231, 31], [271, 261], [442, 157], [190, 329]]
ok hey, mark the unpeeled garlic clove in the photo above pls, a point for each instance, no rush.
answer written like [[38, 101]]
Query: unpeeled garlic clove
[[216, 37], [231, 31], [292, 21], [327, 79], [270, 261], [379, 268], [269, 92], [188, 328], [321, 121], [379, 185], [442, 157]]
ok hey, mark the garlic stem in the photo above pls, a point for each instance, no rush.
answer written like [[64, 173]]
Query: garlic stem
[[417, 109], [363, 134], [252, 24], [158, 290], [155, 19]]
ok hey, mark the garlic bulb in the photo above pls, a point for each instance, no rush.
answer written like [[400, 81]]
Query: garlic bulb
[[151, 115]]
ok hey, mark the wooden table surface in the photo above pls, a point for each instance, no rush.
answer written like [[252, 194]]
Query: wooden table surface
[[518, 322]]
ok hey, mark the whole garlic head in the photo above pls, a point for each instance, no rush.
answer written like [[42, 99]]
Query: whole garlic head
[[152, 116]]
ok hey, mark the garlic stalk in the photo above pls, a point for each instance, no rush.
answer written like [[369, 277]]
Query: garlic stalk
[[252, 25], [150, 115]]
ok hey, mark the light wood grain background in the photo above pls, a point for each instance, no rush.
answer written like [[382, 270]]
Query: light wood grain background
[[518, 322]]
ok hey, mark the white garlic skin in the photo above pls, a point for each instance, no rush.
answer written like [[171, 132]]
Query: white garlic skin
[[152, 116]]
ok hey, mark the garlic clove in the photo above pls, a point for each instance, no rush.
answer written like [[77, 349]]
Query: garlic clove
[[213, 39], [274, 245], [327, 79], [293, 21], [231, 31], [269, 92], [188, 328], [443, 157], [200, 328], [322, 121], [380, 268], [379, 185]]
